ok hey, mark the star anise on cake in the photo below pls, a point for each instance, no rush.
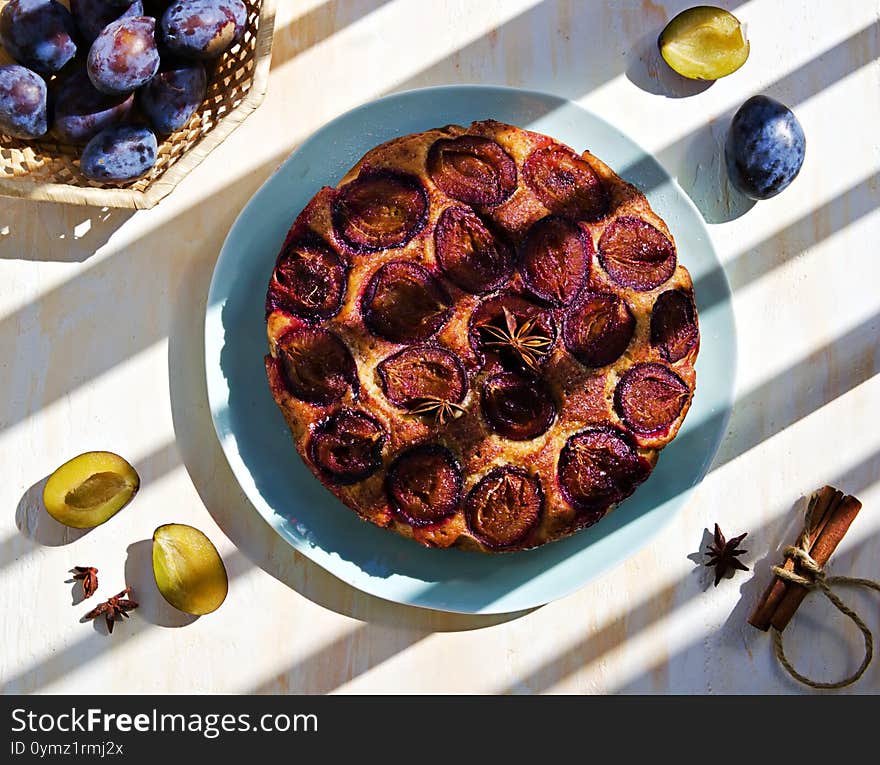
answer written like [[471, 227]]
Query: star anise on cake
[[114, 609], [438, 409], [521, 338], [724, 555]]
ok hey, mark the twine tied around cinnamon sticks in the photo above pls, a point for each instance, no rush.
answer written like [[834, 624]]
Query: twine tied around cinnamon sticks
[[828, 517]]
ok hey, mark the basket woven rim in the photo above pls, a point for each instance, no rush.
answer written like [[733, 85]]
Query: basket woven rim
[[22, 188]]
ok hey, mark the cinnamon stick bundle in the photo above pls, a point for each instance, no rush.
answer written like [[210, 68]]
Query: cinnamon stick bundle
[[832, 513]]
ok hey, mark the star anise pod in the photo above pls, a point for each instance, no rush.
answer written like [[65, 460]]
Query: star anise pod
[[723, 554], [522, 339], [437, 408], [88, 575], [114, 608]]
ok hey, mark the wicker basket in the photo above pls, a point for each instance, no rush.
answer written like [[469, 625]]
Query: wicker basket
[[47, 170]]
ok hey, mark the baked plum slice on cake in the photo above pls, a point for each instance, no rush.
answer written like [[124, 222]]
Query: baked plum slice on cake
[[556, 260], [471, 256], [504, 506], [473, 170], [480, 338], [424, 485], [404, 303], [598, 329], [380, 209]]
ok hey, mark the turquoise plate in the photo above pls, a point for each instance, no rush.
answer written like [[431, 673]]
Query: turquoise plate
[[259, 448]]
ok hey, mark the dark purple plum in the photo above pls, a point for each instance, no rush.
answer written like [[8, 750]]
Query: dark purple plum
[[92, 16], [598, 329], [309, 279], [203, 28], [421, 373], [556, 260], [124, 56], [565, 183], [316, 365], [39, 34], [82, 111], [22, 102], [471, 256], [517, 408], [649, 398], [174, 94], [119, 154], [473, 170], [765, 148], [674, 328]]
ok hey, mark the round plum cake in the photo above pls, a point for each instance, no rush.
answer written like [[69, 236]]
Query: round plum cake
[[480, 338]]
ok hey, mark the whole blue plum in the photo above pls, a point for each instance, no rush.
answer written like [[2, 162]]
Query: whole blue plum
[[22, 102], [203, 28], [92, 16], [38, 34], [82, 111], [119, 154], [124, 56], [173, 95], [765, 148]]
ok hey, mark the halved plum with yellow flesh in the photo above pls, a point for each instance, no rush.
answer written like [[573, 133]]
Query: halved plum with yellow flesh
[[517, 408], [189, 571], [636, 255], [347, 446], [504, 506], [424, 485], [422, 373], [90, 489], [309, 280], [649, 398], [380, 209], [556, 259], [404, 303], [472, 169], [469, 253], [599, 467], [514, 330], [316, 365], [674, 324], [566, 184], [598, 329]]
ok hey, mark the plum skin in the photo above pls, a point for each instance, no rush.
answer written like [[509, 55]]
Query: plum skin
[[765, 148], [82, 111], [171, 98], [201, 28], [22, 102], [38, 34], [118, 154], [124, 56], [92, 16]]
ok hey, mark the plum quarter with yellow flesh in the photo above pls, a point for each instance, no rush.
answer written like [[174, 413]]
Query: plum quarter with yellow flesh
[[90, 489], [189, 571]]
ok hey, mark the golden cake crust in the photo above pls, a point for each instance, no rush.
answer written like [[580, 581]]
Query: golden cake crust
[[586, 398]]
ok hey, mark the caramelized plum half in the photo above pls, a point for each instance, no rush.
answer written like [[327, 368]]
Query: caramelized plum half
[[598, 329], [517, 408], [504, 506], [470, 255], [421, 373], [472, 169], [309, 280], [674, 324], [649, 398], [404, 303], [316, 365], [347, 446], [555, 260], [566, 184], [424, 485], [380, 209], [599, 467], [517, 332], [636, 255]]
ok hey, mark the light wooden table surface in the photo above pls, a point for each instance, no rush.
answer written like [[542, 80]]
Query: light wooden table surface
[[101, 318]]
